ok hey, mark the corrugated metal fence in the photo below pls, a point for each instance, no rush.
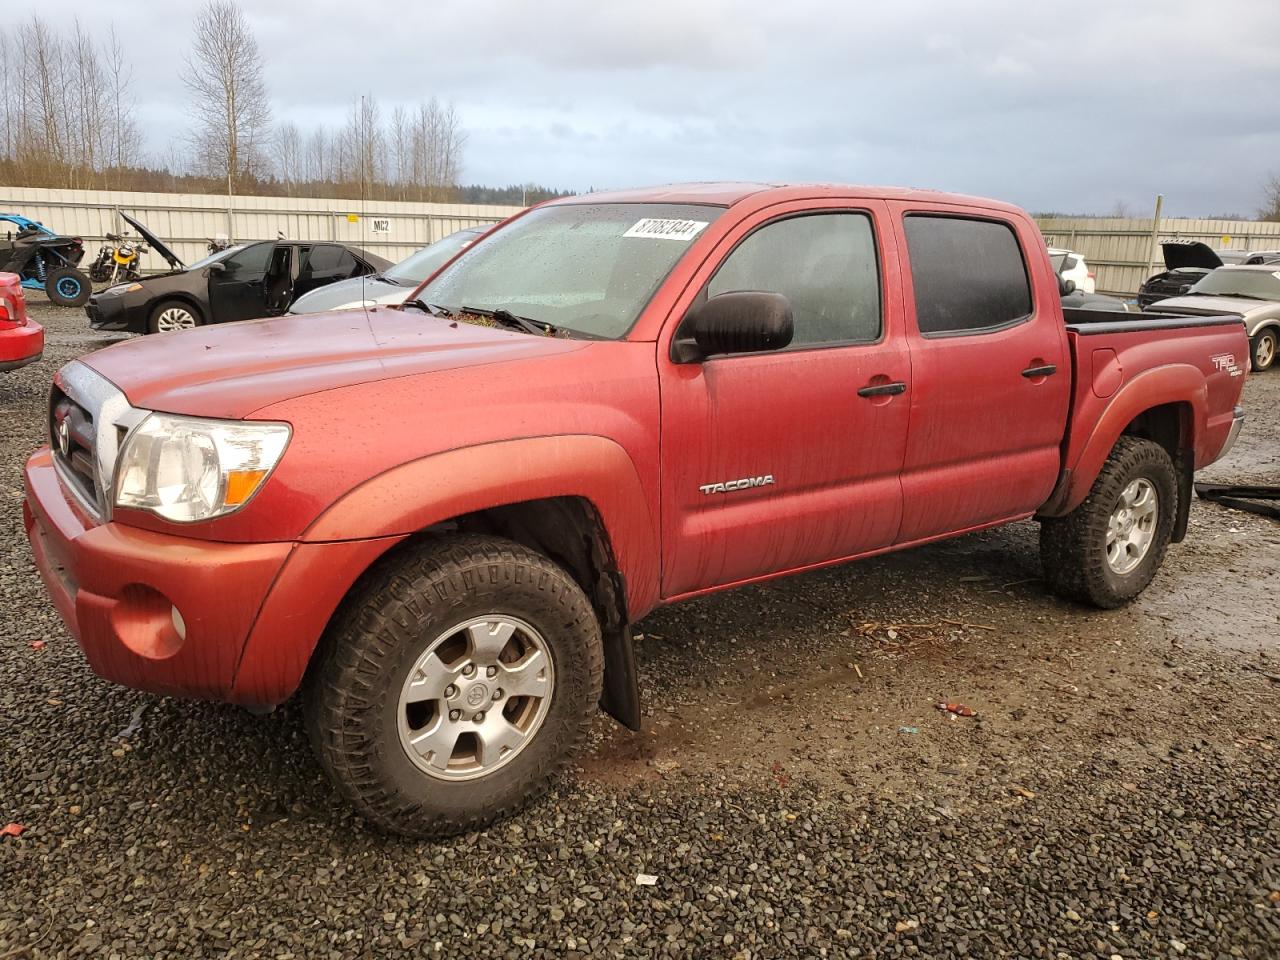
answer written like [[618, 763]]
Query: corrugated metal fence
[[186, 222], [1118, 250]]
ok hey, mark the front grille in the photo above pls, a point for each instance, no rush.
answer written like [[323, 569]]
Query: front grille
[[71, 435]]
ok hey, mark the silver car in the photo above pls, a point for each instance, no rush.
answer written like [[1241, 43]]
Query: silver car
[[1251, 292], [393, 285]]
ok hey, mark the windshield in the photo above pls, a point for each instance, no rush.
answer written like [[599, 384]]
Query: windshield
[[417, 267], [1056, 259], [585, 268], [215, 257], [1258, 284]]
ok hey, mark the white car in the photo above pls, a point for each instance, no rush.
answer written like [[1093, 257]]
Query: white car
[[1071, 266]]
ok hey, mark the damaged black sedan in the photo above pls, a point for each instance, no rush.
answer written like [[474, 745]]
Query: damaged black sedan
[[241, 283]]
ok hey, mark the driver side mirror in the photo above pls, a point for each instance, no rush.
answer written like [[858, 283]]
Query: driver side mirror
[[1065, 286], [217, 268], [745, 321]]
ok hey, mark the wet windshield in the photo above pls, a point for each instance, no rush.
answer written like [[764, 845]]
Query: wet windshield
[[1225, 282], [582, 268], [417, 267]]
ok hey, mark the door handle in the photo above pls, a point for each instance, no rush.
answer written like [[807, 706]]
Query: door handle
[[883, 389], [1048, 370]]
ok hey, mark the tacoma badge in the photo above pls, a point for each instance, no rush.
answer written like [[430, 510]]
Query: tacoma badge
[[731, 485]]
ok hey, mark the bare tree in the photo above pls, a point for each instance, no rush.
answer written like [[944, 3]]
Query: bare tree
[[1270, 209], [286, 148], [225, 79], [123, 141]]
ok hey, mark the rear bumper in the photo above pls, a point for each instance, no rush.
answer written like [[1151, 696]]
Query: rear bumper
[[21, 345], [248, 615], [1237, 423]]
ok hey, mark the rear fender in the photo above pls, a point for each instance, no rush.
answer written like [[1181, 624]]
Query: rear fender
[[1172, 384]]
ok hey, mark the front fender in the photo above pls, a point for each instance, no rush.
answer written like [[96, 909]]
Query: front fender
[[419, 494], [1098, 424]]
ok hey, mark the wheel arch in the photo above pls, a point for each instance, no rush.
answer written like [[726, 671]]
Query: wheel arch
[[1168, 405], [579, 500]]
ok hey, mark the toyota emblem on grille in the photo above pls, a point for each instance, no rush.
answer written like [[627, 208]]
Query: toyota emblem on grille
[[64, 437]]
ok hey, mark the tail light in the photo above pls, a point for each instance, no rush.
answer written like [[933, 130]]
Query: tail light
[[1091, 275], [13, 305]]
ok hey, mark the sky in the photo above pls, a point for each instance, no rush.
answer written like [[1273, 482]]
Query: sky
[[1073, 106]]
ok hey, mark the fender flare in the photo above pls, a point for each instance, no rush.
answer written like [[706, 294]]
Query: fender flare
[[337, 548], [414, 496], [1175, 383]]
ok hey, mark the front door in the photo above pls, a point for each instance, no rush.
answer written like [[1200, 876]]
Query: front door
[[238, 292], [992, 378], [775, 461]]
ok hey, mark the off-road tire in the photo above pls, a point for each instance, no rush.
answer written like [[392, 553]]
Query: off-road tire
[[84, 291], [1260, 357], [1073, 549], [351, 693]]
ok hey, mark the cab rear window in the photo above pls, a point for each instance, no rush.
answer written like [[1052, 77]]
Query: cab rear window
[[968, 274]]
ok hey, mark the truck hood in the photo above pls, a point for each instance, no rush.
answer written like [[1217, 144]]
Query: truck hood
[[1250, 311], [1189, 253], [355, 292], [233, 369]]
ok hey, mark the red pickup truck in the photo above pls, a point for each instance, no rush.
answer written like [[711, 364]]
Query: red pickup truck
[[21, 338], [440, 519]]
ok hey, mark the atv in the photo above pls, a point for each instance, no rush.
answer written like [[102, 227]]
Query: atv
[[44, 260]]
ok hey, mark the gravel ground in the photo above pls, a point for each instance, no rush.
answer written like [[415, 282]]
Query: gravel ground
[[795, 792]]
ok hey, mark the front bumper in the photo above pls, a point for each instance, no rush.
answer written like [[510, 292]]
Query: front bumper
[[21, 345], [107, 313], [117, 589], [185, 617]]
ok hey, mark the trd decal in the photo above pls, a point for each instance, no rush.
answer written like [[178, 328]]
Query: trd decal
[[1226, 362]]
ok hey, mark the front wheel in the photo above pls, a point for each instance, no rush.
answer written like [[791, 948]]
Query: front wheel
[[1263, 348], [1107, 550], [68, 287], [172, 315], [457, 679]]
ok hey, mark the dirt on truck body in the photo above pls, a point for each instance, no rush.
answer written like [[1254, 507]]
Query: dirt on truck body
[[443, 532]]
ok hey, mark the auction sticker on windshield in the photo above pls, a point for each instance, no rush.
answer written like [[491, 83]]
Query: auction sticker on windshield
[[683, 230]]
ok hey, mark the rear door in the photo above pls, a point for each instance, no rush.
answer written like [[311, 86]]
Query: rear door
[[326, 263], [991, 379], [238, 293], [774, 461]]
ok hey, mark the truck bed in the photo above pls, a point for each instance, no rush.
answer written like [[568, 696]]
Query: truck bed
[[1086, 322]]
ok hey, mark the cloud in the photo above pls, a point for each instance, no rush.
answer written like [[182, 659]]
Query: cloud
[[1066, 108]]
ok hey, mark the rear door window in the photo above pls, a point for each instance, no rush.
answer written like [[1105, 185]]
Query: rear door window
[[968, 275]]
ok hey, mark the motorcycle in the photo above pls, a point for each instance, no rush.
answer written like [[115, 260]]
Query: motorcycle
[[118, 261], [45, 261]]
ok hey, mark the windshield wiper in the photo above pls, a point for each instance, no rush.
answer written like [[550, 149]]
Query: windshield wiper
[[505, 317], [432, 308]]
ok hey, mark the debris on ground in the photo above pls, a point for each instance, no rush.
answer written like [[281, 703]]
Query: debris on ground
[[646, 880], [959, 709], [12, 830], [37, 644], [908, 729], [135, 723]]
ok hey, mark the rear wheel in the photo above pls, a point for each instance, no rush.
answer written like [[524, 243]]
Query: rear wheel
[[1107, 550], [1263, 349], [456, 680], [68, 287], [173, 315]]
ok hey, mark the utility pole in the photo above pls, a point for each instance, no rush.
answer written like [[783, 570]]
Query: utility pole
[[1155, 237]]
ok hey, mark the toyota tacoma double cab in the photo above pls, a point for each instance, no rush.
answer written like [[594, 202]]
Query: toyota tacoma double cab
[[439, 520]]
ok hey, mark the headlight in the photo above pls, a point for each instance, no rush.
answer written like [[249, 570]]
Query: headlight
[[123, 288], [186, 469]]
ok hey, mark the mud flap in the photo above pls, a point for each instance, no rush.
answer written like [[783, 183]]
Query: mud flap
[[621, 696], [1186, 472]]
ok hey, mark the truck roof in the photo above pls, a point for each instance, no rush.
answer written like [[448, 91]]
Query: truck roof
[[726, 194]]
